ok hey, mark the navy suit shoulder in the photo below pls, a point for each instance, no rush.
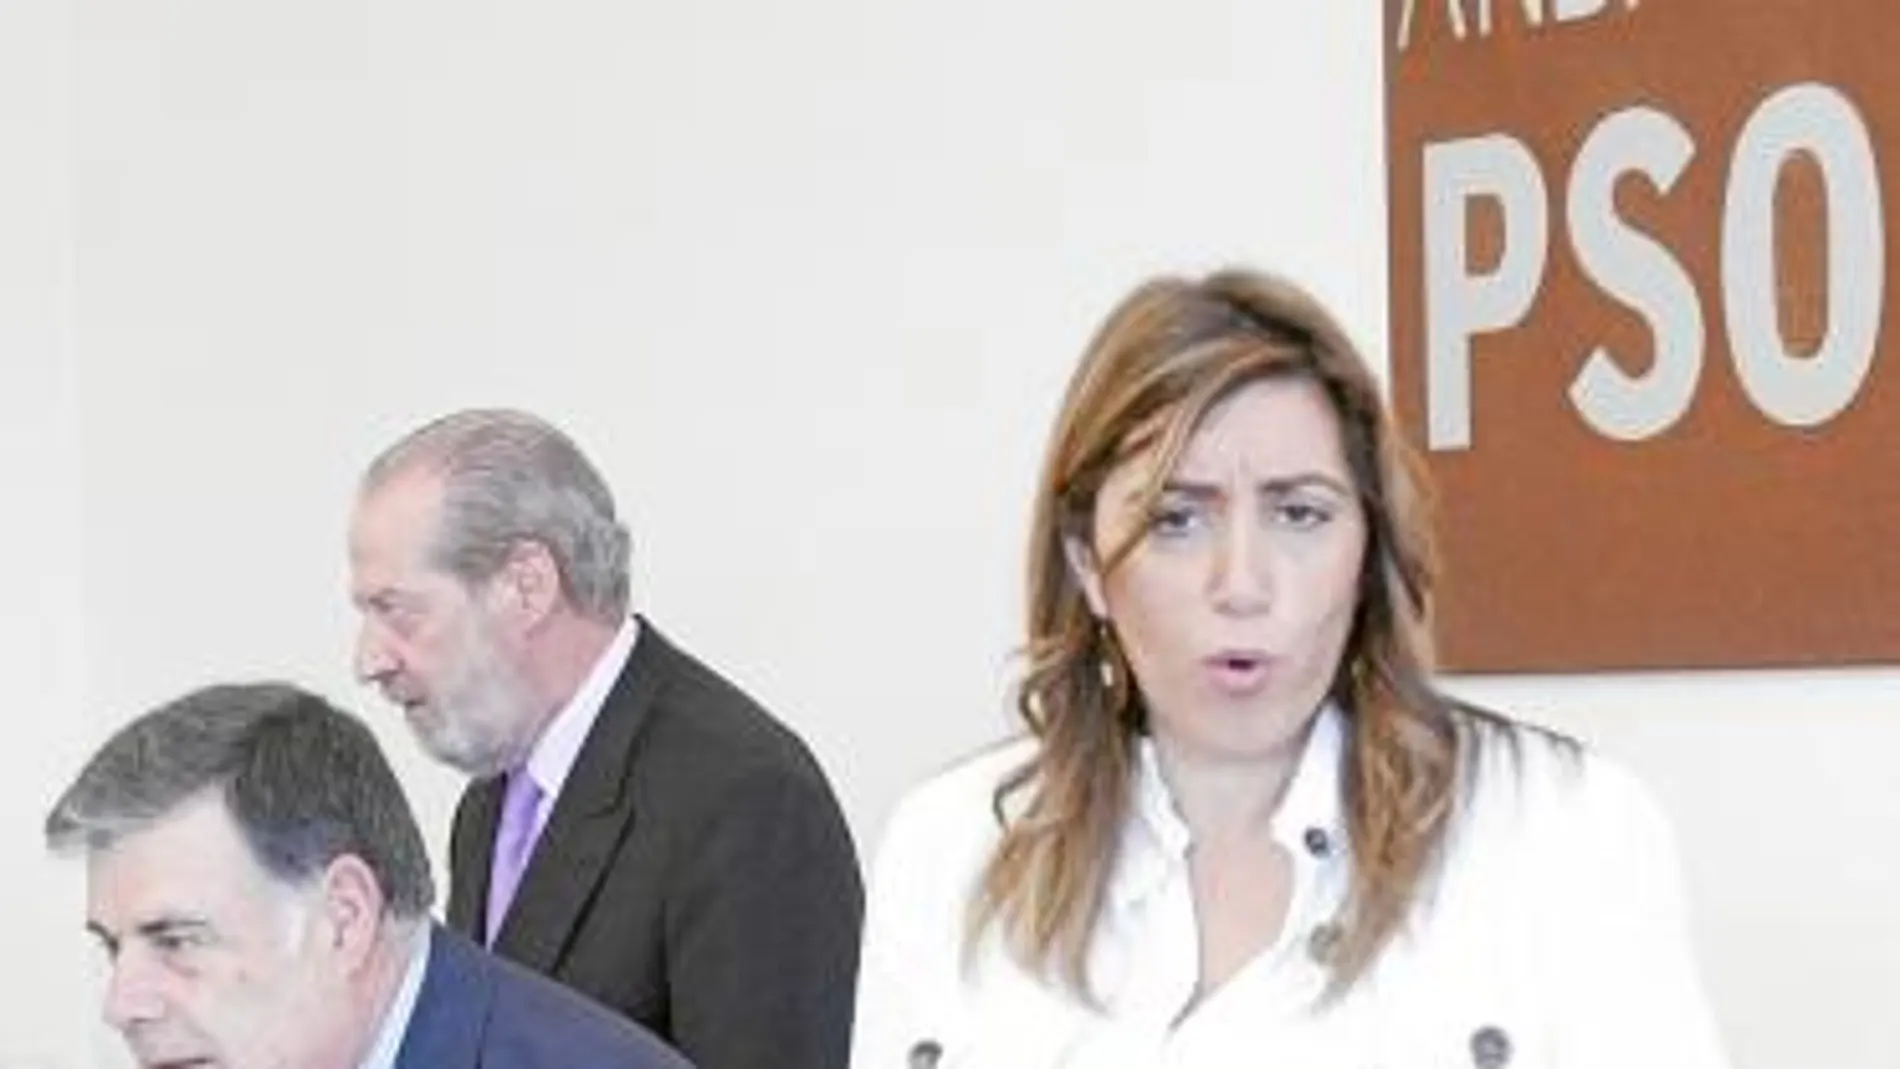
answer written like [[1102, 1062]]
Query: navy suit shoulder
[[475, 1009]]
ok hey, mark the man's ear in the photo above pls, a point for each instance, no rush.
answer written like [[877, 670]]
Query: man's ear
[[1087, 573], [352, 905], [528, 586]]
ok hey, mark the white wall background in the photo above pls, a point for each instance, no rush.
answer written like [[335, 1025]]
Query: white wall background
[[806, 280], [45, 982]]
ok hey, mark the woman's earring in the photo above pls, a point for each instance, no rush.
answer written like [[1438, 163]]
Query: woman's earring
[[1118, 683], [1361, 673]]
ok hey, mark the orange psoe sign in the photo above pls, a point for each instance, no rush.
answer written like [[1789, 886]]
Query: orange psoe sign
[[1642, 316]]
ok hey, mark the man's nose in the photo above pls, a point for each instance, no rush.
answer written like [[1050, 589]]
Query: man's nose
[[132, 996], [374, 661]]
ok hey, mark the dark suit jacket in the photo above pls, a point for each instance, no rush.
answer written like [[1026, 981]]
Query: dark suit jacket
[[695, 874], [476, 1010]]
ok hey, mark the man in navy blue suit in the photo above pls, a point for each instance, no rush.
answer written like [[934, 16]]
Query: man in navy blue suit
[[259, 883]]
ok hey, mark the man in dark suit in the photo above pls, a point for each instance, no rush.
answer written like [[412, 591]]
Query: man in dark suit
[[260, 886], [636, 826]]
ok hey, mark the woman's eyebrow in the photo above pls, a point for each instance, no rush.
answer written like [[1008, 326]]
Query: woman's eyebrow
[[1279, 484]]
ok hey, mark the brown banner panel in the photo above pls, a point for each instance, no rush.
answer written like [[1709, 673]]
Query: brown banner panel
[[1642, 325]]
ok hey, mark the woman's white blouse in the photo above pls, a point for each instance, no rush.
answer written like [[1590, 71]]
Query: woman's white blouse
[[1554, 937]]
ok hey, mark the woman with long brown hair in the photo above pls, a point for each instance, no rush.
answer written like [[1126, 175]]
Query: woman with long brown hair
[[1244, 827]]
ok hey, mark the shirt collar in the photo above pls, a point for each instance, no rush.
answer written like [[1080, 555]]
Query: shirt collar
[[1313, 799], [559, 747], [396, 1018], [1155, 839]]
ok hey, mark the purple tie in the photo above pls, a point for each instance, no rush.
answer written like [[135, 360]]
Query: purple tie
[[514, 842]]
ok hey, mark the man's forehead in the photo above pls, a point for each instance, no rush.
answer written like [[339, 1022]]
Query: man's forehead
[[392, 527], [186, 864], [404, 502]]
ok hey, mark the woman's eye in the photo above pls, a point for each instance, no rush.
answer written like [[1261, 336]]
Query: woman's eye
[[1174, 520], [1302, 515]]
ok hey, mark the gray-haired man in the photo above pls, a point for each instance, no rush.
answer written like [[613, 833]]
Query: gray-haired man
[[636, 826]]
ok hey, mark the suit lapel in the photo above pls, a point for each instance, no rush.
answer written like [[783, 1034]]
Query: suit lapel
[[471, 854], [451, 1014], [591, 815]]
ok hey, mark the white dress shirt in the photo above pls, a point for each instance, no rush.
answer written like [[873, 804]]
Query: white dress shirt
[[558, 748], [1554, 938], [395, 1024]]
